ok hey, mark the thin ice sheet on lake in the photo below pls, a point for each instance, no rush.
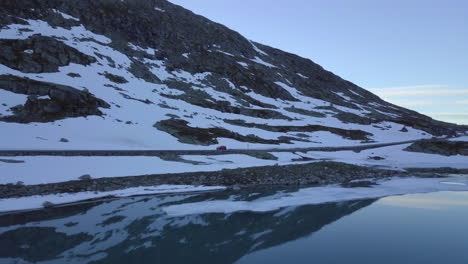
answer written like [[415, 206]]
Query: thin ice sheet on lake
[[325, 194]]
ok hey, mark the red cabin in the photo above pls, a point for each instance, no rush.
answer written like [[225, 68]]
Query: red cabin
[[221, 148]]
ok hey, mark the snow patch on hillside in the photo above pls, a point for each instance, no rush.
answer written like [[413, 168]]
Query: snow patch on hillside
[[149, 51], [258, 50]]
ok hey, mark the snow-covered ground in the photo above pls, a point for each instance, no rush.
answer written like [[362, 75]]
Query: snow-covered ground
[[394, 157], [51, 169], [461, 138], [45, 169]]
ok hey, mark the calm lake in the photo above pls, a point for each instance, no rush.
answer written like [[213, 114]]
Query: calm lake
[[243, 227]]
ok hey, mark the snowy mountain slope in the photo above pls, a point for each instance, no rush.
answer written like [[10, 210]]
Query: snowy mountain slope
[[116, 74]]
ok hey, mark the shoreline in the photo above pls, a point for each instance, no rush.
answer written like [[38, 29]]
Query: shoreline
[[30, 198], [314, 173], [42, 203]]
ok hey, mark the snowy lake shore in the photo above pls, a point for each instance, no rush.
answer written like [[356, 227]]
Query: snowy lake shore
[[63, 179]]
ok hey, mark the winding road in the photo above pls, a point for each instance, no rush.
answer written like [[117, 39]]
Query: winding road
[[147, 152]]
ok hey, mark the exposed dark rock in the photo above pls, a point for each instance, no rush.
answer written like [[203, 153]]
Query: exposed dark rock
[[350, 134], [353, 118], [425, 123], [141, 71], [6, 19], [376, 158], [74, 75], [126, 96], [85, 177], [437, 172], [304, 112], [358, 184], [38, 54], [203, 99], [110, 61], [226, 107], [115, 78], [47, 204], [64, 140], [208, 136], [11, 161], [404, 129], [114, 87], [302, 159], [446, 148], [164, 105], [65, 101]]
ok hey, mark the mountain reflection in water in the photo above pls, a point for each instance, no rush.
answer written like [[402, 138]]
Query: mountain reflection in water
[[137, 230]]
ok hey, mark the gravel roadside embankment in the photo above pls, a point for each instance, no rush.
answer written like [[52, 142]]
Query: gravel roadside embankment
[[316, 173]]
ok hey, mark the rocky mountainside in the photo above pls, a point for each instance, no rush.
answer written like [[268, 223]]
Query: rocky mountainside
[[151, 74]]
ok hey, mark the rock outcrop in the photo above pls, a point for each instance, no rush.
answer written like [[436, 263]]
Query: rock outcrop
[[60, 101], [38, 54], [446, 148]]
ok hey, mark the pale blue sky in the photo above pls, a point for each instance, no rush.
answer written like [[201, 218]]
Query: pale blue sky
[[410, 52]]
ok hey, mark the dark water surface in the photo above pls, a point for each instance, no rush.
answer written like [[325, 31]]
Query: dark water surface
[[420, 228]]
